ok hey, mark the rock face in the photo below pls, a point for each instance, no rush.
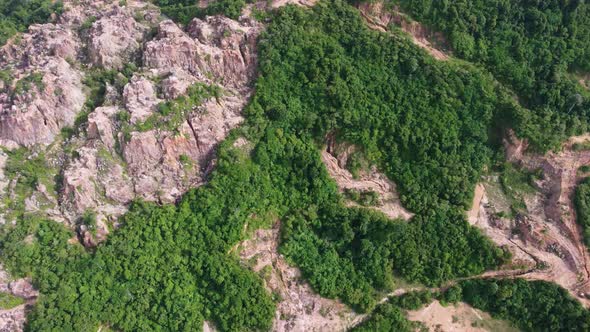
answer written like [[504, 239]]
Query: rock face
[[140, 98], [216, 47], [111, 159], [47, 92], [213, 51], [114, 39]]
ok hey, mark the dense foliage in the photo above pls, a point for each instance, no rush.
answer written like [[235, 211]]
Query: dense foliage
[[386, 318], [531, 46], [166, 269], [184, 11], [582, 202], [530, 305], [425, 122], [323, 72], [17, 15], [413, 300]]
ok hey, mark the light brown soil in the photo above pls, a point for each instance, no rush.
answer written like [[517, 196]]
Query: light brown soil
[[378, 18], [299, 308], [389, 203], [306, 3], [548, 243], [458, 318]]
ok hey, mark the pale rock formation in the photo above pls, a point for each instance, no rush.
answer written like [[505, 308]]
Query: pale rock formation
[[92, 182], [114, 39], [216, 47], [36, 114], [140, 99], [229, 49], [100, 125], [42, 42], [176, 84], [153, 164]]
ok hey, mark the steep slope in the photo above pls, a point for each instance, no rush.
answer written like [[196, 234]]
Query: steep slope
[[65, 76]]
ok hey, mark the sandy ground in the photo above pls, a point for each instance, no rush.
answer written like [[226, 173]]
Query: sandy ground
[[389, 203], [379, 19], [458, 318], [299, 308]]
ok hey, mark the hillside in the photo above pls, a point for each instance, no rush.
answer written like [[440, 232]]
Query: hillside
[[327, 165]]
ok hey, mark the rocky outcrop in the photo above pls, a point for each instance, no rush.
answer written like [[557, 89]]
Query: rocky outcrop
[[115, 39], [111, 159], [41, 43], [95, 181], [100, 126], [228, 48], [154, 163], [163, 165], [140, 99], [48, 101], [46, 92], [216, 49], [13, 319]]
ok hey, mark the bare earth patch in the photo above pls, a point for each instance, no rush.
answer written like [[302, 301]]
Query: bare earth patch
[[389, 202], [299, 307], [378, 18], [546, 241], [458, 318]]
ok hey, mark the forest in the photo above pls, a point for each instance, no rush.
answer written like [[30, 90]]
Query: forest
[[529, 305], [532, 47], [322, 73]]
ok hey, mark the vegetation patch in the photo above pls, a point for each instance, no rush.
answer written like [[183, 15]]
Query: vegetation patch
[[528, 46], [28, 171], [362, 197], [173, 113], [9, 301], [387, 317], [582, 203], [529, 305], [17, 15], [183, 11], [517, 183]]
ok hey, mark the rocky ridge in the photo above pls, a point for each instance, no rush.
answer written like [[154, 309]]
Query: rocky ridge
[[109, 161]]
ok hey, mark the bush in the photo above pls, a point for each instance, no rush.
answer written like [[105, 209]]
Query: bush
[[582, 203]]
